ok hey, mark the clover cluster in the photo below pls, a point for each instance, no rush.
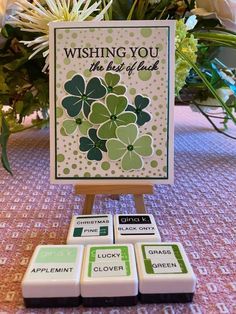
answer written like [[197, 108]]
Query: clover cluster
[[99, 110]]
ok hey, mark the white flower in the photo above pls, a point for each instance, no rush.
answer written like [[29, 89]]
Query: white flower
[[35, 17], [224, 10], [212, 103], [7, 8], [154, 1]]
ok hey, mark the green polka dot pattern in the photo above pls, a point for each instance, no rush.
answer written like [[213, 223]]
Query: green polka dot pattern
[[70, 161]]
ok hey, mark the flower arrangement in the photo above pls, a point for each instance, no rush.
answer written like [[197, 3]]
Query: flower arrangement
[[203, 27]]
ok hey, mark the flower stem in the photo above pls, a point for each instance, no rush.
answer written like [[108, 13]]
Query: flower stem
[[37, 124], [129, 17], [207, 83]]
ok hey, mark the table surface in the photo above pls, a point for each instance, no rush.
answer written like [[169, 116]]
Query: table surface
[[198, 210]]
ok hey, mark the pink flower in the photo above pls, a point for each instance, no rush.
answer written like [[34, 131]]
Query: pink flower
[[224, 10]]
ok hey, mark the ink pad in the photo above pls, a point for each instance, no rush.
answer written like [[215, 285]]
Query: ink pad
[[135, 228], [91, 229], [52, 278], [109, 276], [165, 274]]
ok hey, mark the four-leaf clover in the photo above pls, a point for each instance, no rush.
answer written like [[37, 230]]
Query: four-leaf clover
[[81, 96], [111, 81], [140, 102], [78, 122], [111, 115], [129, 147], [93, 145], [117, 121]]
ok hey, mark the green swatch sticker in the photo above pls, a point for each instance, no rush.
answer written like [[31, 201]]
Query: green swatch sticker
[[56, 255], [109, 261], [163, 259], [90, 231]]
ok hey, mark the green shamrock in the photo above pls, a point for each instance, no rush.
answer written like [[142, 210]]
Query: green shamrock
[[92, 145], [70, 125], [111, 115], [129, 147], [140, 102], [81, 96], [111, 82]]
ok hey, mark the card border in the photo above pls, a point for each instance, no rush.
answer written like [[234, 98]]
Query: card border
[[169, 178]]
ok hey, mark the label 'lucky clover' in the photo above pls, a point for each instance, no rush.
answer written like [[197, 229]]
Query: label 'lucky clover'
[[82, 95], [110, 115], [129, 147]]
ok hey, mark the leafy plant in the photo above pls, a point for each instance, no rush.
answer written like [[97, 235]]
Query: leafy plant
[[24, 87]]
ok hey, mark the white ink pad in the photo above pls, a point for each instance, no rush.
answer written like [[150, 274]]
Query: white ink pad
[[109, 276], [135, 228], [91, 229], [52, 278], [165, 274]]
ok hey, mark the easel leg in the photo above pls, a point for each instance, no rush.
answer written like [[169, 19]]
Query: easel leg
[[114, 190], [88, 204], [114, 197], [139, 203]]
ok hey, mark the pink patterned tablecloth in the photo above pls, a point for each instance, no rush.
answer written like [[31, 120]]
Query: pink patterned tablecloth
[[198, 210]]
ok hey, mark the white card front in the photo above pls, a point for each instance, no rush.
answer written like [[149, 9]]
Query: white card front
[[111, 101]]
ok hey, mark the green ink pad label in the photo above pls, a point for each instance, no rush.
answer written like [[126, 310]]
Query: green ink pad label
[[56, 255], [109, 261], [163, 259], [89, 226]]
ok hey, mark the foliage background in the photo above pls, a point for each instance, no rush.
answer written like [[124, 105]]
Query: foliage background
[[24, 87]]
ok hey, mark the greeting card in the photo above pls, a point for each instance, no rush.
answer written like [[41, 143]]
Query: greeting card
[[111, 101]]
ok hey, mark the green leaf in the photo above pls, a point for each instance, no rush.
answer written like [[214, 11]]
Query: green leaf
[[127, 134], [116, 104], [19, 106], [73, 105], [95, 89], [107, 130], [7, 31], [70, 126], [84, 127], [112, 79], [85, 144], [119, 90], [141, 102], [120, 9], [4, 136], [15, 64], [43, 91], [3, 86], [129, 17], [75, 86], [126, 118], [115, 149], [228, 40], [131, 161], [94, 154], [143, 146], [207, 84], [99, 113]]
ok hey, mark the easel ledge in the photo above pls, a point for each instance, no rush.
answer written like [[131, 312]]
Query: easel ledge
[[114, 189]]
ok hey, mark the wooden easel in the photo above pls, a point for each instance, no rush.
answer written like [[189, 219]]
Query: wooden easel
[[114, 189]]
